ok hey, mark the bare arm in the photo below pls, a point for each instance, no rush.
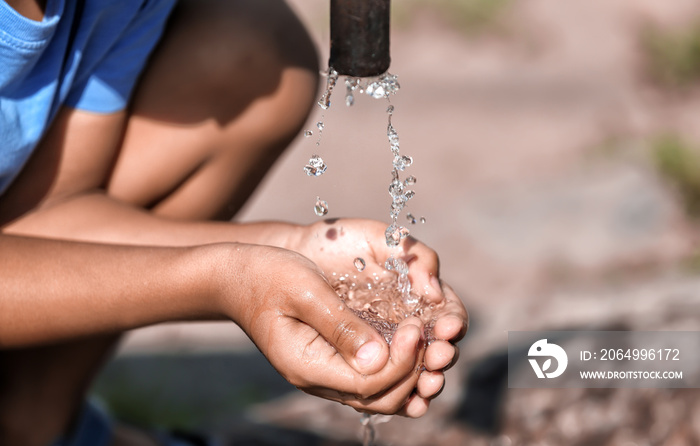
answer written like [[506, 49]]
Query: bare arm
[[156, 269], [333, 246], [96, 217], [53, 290]]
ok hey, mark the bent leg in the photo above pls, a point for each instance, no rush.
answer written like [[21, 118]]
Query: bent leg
[[227, 90]]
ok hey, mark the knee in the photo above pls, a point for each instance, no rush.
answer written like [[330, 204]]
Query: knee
[[247, 59]]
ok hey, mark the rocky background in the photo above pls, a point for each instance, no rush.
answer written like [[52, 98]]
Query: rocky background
[[557, 151]]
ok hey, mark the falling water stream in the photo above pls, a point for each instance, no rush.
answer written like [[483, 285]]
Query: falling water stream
[[382, 301]]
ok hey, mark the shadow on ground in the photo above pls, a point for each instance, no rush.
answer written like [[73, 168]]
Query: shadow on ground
[[187, 394]]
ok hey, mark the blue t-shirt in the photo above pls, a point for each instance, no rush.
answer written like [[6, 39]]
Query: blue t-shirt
[[86, 54]]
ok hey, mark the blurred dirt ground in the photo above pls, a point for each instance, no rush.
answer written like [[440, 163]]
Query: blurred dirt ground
[[532, 129]]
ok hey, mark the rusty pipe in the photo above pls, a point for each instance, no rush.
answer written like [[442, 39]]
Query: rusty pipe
[[360, 37]]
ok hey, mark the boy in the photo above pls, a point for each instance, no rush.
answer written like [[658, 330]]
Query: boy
[[119, 171]]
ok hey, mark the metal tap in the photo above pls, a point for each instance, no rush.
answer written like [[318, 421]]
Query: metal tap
[[360, 37]]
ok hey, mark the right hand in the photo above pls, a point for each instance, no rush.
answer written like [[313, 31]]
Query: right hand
[[286, 306]]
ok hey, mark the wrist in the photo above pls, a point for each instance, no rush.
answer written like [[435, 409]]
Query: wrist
[[238, 274]]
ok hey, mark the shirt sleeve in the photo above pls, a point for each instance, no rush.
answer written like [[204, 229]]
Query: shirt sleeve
[[107, 87]]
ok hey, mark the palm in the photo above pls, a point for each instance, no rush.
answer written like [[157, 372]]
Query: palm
[[334, 246]]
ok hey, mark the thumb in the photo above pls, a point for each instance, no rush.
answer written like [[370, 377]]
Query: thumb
[[424, 269], [362, 347]]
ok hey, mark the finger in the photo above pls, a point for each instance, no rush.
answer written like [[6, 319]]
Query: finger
[[424, 269], [387, 391], [415, 407], [391, 402], [332, 378], [430, 384], [439, 355], [406, 351], [357, 342], [453, 319], [455, 358]]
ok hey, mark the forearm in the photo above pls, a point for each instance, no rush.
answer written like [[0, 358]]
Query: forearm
[[95, 217], [56, 290]]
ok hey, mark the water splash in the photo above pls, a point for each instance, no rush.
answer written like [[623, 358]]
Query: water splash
[[398, 265], [383, 304], [382, 87], [400, 195], [404, 285], [380, 300]]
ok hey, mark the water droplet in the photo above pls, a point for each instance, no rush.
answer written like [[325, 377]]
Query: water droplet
[[351, 84], [393, 235], [308, 133], [320, 125], [404, 232], [411, 219], [332, 78], [320, 207], [360, 263], [341, 307], [410, 181], [401, 162], [398, 203], [325, 101], [390, 83], [422, 219], [393, 139], [316, 166], [396, 188], [409, 194], [390, 109]]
